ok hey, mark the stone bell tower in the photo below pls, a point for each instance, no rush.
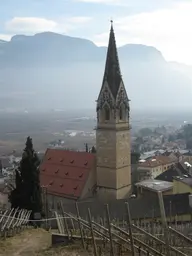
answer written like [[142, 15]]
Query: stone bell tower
[[113, 131]]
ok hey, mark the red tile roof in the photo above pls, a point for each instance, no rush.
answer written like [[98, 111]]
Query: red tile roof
[[156, 161], [65, 172]]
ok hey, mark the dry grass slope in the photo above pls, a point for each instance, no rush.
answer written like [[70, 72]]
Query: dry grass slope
[[28, 242], [36, 242]]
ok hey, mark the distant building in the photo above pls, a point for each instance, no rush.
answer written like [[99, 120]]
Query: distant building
[[182, 185], [156, 165], [4, 194], [151, 154], [141, 174], [180, 176], [5, 165], [152, 187], [178, 169], [175, 156], [187, 157], [15, 160], [178, 185]]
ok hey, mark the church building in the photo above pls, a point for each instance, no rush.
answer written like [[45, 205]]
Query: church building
[[105, 174]]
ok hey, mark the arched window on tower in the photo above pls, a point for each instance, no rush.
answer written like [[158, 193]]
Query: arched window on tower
[[121, 112], [107, 113]]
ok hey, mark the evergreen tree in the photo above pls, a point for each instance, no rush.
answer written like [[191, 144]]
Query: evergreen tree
[[27, 194], [93, 150], [86, 147]]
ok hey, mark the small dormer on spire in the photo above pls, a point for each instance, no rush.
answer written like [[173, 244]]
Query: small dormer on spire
[[112, 72]]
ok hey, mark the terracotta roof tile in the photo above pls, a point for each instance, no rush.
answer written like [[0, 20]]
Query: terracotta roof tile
[[164, 159], [149, 163], [65, 172], [156, 161]]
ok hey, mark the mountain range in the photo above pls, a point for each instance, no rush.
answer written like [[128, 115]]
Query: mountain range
[[50, 70]]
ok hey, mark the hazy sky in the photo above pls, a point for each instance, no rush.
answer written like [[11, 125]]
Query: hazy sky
[[165, 24]]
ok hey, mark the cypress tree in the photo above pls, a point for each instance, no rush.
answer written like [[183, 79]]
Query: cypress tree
[[86, 147], [27, 193]]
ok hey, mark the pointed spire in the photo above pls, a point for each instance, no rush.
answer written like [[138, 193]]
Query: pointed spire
[[112, 69]]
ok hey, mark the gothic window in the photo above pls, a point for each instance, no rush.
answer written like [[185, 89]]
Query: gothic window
[[107, 113], [122, 112]]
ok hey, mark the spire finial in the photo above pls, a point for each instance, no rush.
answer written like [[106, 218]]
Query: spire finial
[[111, 20]]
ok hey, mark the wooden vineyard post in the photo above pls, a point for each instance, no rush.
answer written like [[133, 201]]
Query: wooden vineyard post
[[12, 220], [80, 226], [164, 223], [170, 212], [130, 229], [1, 222], [110, 232], [64, 220], [3, 229], [92, 233], [58, 223]]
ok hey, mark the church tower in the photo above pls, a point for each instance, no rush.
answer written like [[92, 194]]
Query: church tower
[[113, 131]]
